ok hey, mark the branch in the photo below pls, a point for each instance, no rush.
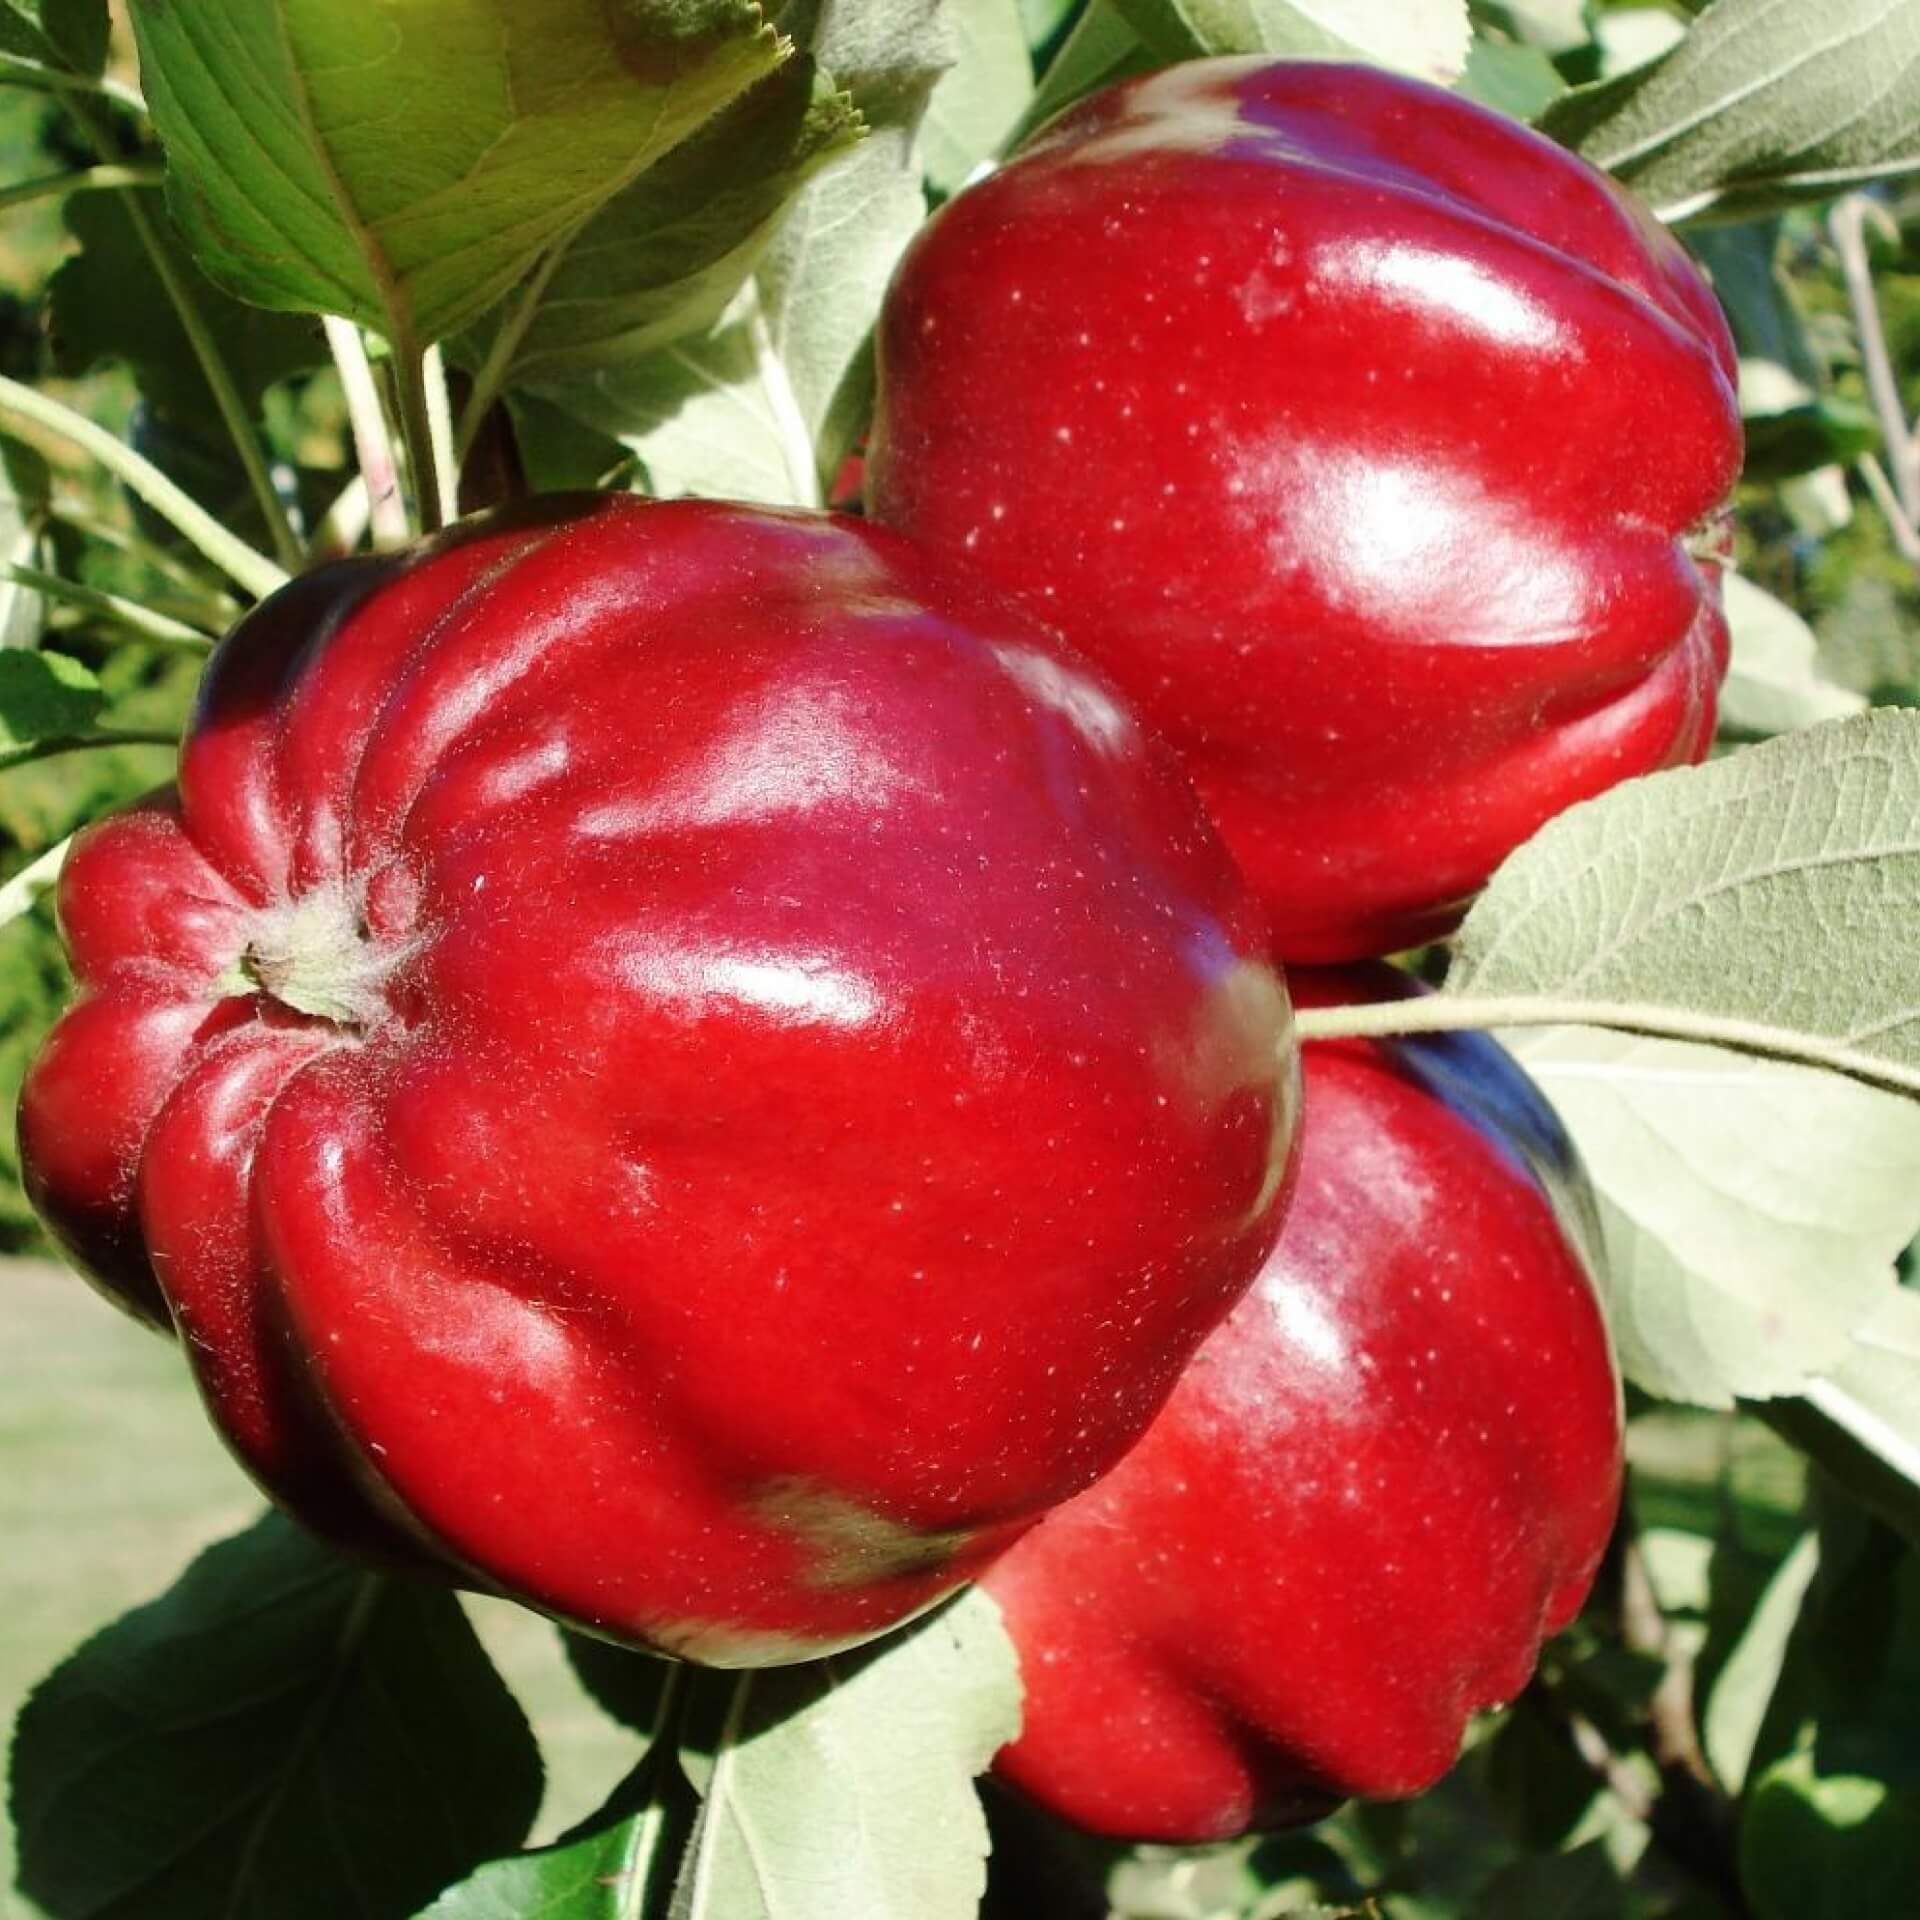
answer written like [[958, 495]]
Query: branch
[[1847, 224]]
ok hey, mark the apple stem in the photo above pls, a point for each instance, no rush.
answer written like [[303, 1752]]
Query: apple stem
[[1462, 1010]]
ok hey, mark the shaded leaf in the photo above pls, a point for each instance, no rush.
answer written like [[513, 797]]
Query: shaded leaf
[[766, 405], [56, 33], [1819, 1846], [404, 162], [1759, 105], [1737, 1705], [44, 696], [664, 258], [1516, 80], [107, 302], [1101, 49], [280, 1736]]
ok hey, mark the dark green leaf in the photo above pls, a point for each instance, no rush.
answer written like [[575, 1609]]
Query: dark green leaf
[[108, 303], [1581, 1885], [1743, 259], [57, 33], [281, 1736], [404, 166], [43, 696], [1823, 1846], [1759, 105]]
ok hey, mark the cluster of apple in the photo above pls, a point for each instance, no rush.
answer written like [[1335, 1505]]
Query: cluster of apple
[[708, 1068], [1379, 450]]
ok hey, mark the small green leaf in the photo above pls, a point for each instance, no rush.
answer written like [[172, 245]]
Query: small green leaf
[[1766, 900], [404, 162], [1776, 681], [981, 97], [281, 1736], [44, 696], [1828, 1846], [1581, 1885], [1737, 1705], [1515, 80], [844, 1787], [70, 34], [1101, 49], [1758, 106], [107, 302], [1424, 37]]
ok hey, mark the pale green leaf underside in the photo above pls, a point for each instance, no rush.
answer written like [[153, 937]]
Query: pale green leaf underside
[[981, 97], [1764, 101], [1776, 682], [403, 162], [845, 1787], [1752, 1210], [1776, 892]]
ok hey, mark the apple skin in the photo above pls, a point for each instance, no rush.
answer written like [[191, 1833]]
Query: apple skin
[[1387, 1477], [1378, 448], [682, 1063]]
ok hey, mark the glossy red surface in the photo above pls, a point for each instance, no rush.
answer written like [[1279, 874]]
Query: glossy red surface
[[1390, 1473], [1374, 444], [676, 1061]]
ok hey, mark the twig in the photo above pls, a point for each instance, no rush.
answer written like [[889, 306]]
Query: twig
[[1906, 535], [446, 459], [234, 413], [142, 621], [77, 180], [238, 561], [1847, 224], [372, 433]]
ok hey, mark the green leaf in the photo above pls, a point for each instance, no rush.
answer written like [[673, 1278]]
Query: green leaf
[[1792, 430], [1861, 1418], [1515, 80], [1101, 49], [1766, 901], [1828, 1846], [107, 302], [1760, 105], [1424, 37], [58, 33], [1581, 1885], [982, 96], [44, 696], [1042, 19], [1752, 1211], [766, 405], [664, 258], [844, 1787], [281, 1736], [1743, 260], [404, 162], [608, 1866], [1737, 1704], [1776, 681]]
